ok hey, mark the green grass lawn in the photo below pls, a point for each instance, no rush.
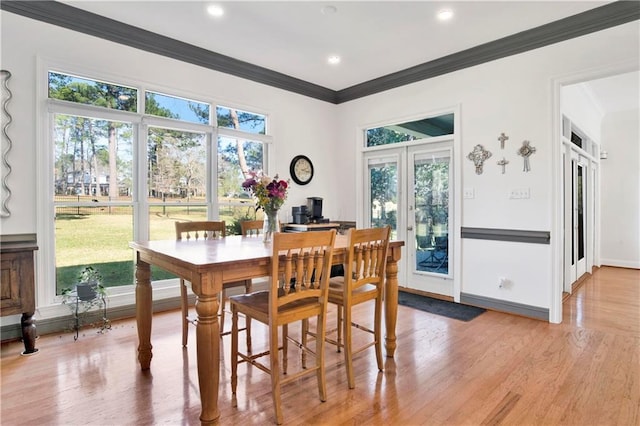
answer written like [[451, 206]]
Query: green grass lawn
[[102, 240]]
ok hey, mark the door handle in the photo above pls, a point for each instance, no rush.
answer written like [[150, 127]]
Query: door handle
[[409, 228]]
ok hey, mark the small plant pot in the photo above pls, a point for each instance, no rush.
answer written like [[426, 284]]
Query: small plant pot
[[86, 291]]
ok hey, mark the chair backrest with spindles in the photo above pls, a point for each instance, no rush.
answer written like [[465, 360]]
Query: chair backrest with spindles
[[367, 257], [301, 264], [251, 228], [203, 230]]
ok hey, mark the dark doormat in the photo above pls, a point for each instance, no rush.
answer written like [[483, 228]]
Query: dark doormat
[[439, 307]]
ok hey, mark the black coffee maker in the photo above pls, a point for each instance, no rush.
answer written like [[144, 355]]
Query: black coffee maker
[[314, 209]]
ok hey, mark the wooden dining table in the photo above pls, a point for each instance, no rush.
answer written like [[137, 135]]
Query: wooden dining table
[[208, 265]]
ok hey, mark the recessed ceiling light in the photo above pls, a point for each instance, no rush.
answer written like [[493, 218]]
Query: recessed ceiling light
[[329, 10], [333, 59], [445, 14], [215, 10]]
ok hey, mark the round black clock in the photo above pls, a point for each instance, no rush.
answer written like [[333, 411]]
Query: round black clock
[[301, 169]]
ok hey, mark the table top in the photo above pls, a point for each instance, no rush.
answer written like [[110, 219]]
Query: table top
[[232, 249]]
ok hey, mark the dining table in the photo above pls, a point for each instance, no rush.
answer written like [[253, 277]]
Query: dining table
[[210, 263]]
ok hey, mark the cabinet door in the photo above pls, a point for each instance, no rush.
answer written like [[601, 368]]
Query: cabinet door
[[10, 284], [17, 282]]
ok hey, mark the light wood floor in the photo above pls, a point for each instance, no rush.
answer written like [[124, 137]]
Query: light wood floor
[[496, 369]]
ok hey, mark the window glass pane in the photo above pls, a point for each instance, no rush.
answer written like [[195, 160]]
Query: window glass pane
[[432, 214], [96, 236], [413, 130], [177, 166], [234, 213], [92, 168], [235, 158], [177, 108], [241, 120], [383, 178], [162, 219], [92, 92], [93, 159]]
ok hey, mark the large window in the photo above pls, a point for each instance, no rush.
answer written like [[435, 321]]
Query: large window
[[119, 175]]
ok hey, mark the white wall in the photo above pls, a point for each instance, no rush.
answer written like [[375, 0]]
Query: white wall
[[620, 196], [580, 108]]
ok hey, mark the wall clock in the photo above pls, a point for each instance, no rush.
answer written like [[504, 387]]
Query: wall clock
[[301, 169]]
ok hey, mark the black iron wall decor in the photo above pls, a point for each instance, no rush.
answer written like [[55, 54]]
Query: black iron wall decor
[[5, 96]]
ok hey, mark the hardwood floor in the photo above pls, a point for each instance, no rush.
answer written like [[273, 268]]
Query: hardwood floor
[[496, 369]]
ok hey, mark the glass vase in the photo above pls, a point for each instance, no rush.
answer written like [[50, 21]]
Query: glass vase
[[270, 225]]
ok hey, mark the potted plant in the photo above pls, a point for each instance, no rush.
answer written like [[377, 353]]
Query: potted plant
[[89, 293]]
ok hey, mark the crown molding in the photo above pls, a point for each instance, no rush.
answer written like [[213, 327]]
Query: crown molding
[[63, 15], [603, 17]]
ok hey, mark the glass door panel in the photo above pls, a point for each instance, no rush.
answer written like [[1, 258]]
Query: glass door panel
[[382, 175], [431, 212]]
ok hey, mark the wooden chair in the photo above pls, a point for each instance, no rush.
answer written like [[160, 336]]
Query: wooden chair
[[251, 228], [299, 281], [363, 280], [206, 230]]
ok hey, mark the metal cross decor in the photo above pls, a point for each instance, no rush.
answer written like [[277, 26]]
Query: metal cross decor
[[502, 138], [478, 156], [503, 163], [526, 150]]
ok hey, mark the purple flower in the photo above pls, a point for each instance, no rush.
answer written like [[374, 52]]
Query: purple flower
[[249, 183]]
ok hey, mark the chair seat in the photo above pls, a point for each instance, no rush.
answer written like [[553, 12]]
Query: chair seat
[[256, 305], [360, 294]]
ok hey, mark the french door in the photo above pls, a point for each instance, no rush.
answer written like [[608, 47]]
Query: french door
[[579, 219], [410, 189]]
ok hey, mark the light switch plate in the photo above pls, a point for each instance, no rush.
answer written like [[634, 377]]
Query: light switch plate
[[468, 193], [519, 194]]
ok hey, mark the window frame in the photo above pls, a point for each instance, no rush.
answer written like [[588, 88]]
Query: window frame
[[46, 108]]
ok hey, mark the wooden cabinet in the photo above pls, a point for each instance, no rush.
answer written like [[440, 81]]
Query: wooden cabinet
[[17, 287]]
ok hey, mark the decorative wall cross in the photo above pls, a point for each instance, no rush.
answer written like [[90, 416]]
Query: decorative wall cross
[[526, 150], [478, 156], [502, 138], [503, 163]]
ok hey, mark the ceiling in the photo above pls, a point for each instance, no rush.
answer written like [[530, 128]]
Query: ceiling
[[373, 38]]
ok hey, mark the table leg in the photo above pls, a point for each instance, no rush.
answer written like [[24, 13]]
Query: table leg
[[391, 302], [208, 349], [144, 313]]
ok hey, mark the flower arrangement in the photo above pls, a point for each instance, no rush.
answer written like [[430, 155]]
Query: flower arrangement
[[270, 192]]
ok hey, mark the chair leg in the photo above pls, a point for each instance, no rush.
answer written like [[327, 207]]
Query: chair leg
[[377, 331], [304, 340], [320, 345], [248, 288], [275, 371], [339, 328], [348, 350], [222, 297], [285, 348], [184, 304], [234, 349]]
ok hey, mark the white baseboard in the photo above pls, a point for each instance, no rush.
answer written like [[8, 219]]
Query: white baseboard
[[621, 263]]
